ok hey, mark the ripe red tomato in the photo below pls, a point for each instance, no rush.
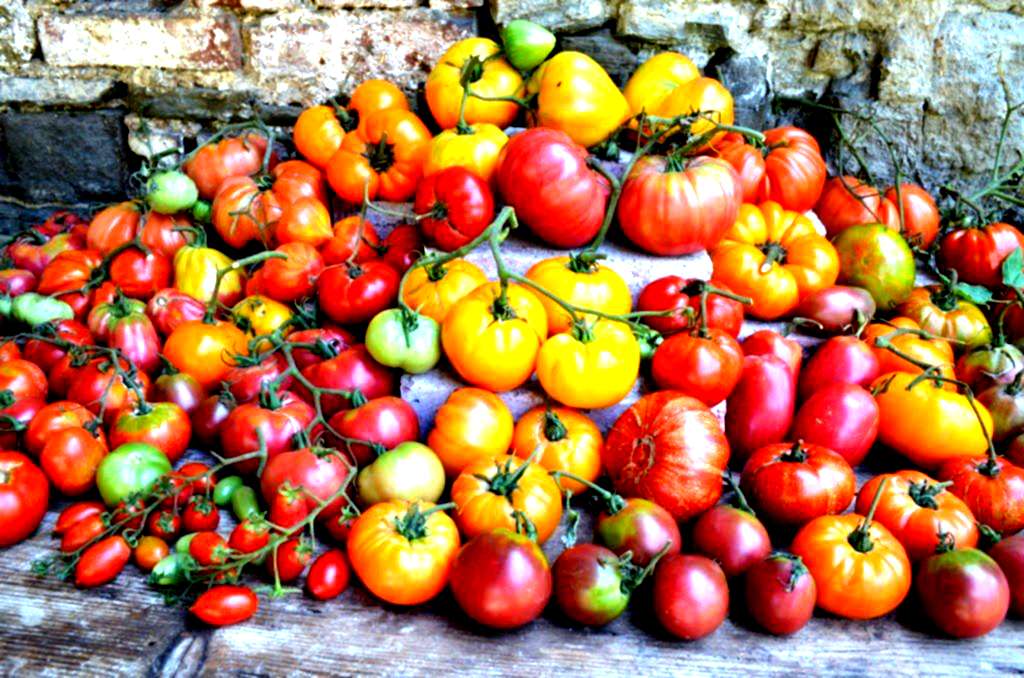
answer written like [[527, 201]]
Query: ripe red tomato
[[780, 593], [682, 295], [733, 537], [170, 307], [209, 417], [638, 526], [977, 254], [23, 379], [846, 201], [277, 420], [24, 493], [669, 448], [46, 353], [459, 204], [248, 377], [83, 531], [102, 562], [759, 410], [841, 417], [208, 548], [295, 276], [544, 175], [15, 416], [76, 512], [165, 524], [165, 426], [354, 293], [920, 214], [963, 591], [140, 275], [501, 579], [249, 536], [691, 595], [704, 367], [387, 421], [791, 170], [200, 515], [328, 575], [70, 459], [354, 369], [402, 247], [845, 359], [330, 340], [224, 605], [992, 488], [317, 475], [793, 483], [1008, 552], [289, 561], [770, 342]]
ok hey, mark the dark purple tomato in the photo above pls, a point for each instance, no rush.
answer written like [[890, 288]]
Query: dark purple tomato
[[963, 592], [836, 309], [732, 537]]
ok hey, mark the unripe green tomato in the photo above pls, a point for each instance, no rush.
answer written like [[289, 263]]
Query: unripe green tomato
[[130, 470], [171, 191], [408, 342], [527, 44], [244, 503], [225, 488], [410, 471], [35, 309], [878, 259], [169, 571]]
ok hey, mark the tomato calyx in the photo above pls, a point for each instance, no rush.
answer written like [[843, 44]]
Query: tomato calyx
[[796, 454], [797, 569], [860, 538], [413, 525], [924, 493], [381, 155], [582, 331], [946, 543], [436, 271], [631, 574], [987, 537], [554, 429], [502, 310], [738, 500], [6, 398], [773, 253], [505, 481], [585, 261]]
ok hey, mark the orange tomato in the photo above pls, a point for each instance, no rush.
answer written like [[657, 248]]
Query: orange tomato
[[503, 491], [472, 424], [203, 350], [351, 233], [432, 290], [403, 552], [930, 351], [568, 440]]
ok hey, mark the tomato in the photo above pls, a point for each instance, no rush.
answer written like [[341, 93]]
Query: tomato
[[699, 95], [938, 310], [918, 510], [383, 157], [149, 551], [405, 340], [544, 175], [475, 148], [759, 410], [35, 252], [669, 448], [492, 339], [1008, 552], [257, 315], [732, 536], [385, 422], [354, 293], [102, 389], [329, 340], [288, 507], [208, 548], [683, 296], [289, 560], [842, 417], [457, 205], [102, 562], [209, 417], [24, 493], [113, 227], [655, 79], [304, 221], [76, 512], [351, 370], [45, 353], [993, 488], [433, 289], [977, 254], [953, 429], [195, 273], [211, 165], [840, 360], [472, 425], [502, 491], [489, 75], [82, 532], [793, 483], [403, 247], [225, 605], [140, 275], [791, 172], [277, 418], [592, 366], [501, 579], [403, 552], [775, 257], [134, 335], [920, 214], [637, 526], [935, 352], [203, 350], [23, 379], [70, 459], [249, 536], [691, 596], [672, 206], [52, 418], [1006, 405], [293, 277], [780, 593], [165, 234], [878, 259], [328, 576], [354, 239], [16, 281], [318, 133], [846, 201], [318, 473], [200, 515], [15, 415], [170, 307], [170, 191], [770, 342], [592, 585], [130, 470], [179, 389], [247, 379], [704, 367], [580, 282], [836, 310], [411, 471], [963, 591], [567, 439], [165, 426]]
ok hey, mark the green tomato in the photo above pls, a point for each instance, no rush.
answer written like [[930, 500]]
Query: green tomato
[[171, 191], [201, 211], [35, 309], [527, 44], [224, 488], [404, 339], [170, 571], [244, 503], [6, 305], [129, 470], [182, 545], [410, 471], [879, 260]]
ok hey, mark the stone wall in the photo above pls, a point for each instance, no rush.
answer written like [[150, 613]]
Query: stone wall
[[81, 80]]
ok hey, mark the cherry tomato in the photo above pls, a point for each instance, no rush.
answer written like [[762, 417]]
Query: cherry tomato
[[149, 551], [224, 605], [328, 575], [780, 593], [102, 562], [637, 526], [289, 560], [592, 585], [165, 524], [691, 596], [732, 536], [200, 515]]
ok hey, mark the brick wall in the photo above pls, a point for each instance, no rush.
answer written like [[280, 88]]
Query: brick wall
[[86, 85]]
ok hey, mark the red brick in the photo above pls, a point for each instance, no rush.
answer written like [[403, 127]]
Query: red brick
[[193, 43]]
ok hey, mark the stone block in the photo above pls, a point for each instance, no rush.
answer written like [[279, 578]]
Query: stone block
[[141, 41], [17, 34], [563, 15], [48, 91], [375, 4]]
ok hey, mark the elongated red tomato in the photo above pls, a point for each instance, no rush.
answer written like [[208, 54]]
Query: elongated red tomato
[[224, 605]]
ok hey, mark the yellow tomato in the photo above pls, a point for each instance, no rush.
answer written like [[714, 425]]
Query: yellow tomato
[[656, 78], [591, 366], [259, 315], [204, 350], [492, 76], [701, 94], [473, 424], [433, 290], [578, 97], [568, 440], [477, 150], [494, 345], [596, 287], [195, 274]]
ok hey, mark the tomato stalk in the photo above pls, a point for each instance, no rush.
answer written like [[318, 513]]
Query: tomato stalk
[[924, 493], [613, 503], [634, 575], [213, 304], [739, 500], [413, 525], [860, 539]]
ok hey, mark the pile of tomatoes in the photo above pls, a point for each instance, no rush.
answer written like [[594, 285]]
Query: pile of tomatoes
[[209, 371]]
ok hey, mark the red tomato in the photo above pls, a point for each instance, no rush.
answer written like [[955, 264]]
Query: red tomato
[[70, 459], [387, 421], [841, 417], [977, 254], [638, 526], [82, 532], [46, 354], [209, 417], [288, 507], [328, 575], [501, 579], [318, 476], [249, 536], [793, 483], [351, 234], [544, 175], [102, 562], [845, 201], [691, 596], [704, 367], [780, 593], [1009, 553], [140, 275], [165, 524], [992, 488], [920, 214], [289, 560], [225, 605], [23, 379], [165, 426], [770, 342], [759, 411], [295, 276], [277, 420], [24, 494], [846, 360], [170, 307], [681, 295], [354, 293], [77, 512], [402, 247], [331, 340], [459, 204], [149, 551], [15, 416], [247, 379], [16, 281], [181, 389], [208, 548], [963, 591], [733, 537], [200, 515], [669, 448], [211, 164], [351, 370]]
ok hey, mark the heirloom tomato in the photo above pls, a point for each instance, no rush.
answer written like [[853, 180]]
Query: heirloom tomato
[[411, 471], [210, 165], [15, 416], [455, 206], [271, 423], [669, 448], [17, 281], [683, 297], [732, 536], [403, 552], [977, 254], [52, 418], [878, 259], [383, 423], [306, 220], [404, 339], [130, 470], [318, 473], [402, 247], [655, 79], [24, 493], [780, 593], [475, 148], [170, 307], [992, 487], [843, 360], [793, 483], [433, 289], [204, 350], [704, 96], [591, 366], [140, 275], [250, 375], [1005, 402], [580, 282], [846, 201], [165, 426], [939, 310], [920, 214], [704, 365], [842, 417], [23, 379], [1009, 553], [327, 341], [759, 411], [471, 425], [355, 239], [770, 342], [962, 590], [352, 293], [293, 277], [567, 440], [691, 595], [526, 43], [70, 458], [65, 277], [835, 310], [103, 388], [637, 526], [165, 234], [352, 370], [257, 315], [935, 352], [195, 273], [986, 366], [477, 62], [113, 227]]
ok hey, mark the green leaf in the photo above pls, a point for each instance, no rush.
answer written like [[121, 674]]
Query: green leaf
[[973, 293], [1013, 269]]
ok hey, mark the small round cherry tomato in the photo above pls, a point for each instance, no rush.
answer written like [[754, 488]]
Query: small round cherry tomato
[[328, 575]]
